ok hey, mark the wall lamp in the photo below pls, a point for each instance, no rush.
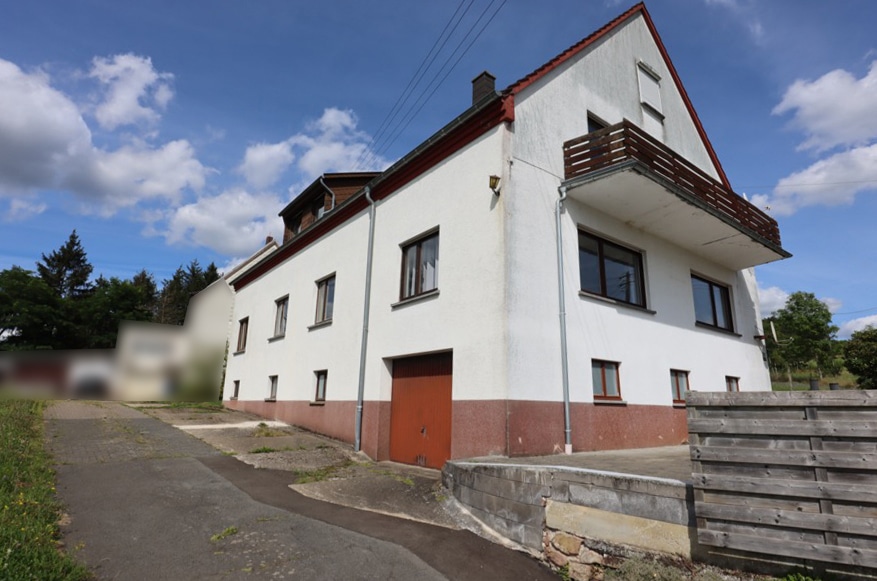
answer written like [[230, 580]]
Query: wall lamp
[[494, 185]]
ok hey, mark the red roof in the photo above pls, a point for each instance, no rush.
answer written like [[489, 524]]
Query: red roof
[[633, 12]]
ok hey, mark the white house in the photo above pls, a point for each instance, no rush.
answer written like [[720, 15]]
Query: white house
[[432, 311]]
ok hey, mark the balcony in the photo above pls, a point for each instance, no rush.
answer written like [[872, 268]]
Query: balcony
[[624, 172]]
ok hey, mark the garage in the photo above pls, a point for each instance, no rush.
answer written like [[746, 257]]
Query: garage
[[420, 410]]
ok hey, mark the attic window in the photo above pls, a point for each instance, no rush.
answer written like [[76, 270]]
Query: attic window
[[319, 208], [650, 98]]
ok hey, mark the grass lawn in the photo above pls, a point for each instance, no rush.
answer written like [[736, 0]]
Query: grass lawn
[[28, 509]]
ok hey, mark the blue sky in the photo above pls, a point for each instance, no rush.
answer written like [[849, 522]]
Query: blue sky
[[166, 131]]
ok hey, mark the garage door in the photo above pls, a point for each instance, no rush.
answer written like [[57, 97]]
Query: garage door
[[420, 412]]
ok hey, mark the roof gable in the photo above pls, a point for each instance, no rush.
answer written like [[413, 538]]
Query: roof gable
[[601, 33]]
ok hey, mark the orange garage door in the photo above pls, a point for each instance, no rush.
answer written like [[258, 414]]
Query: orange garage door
[[420, 412]]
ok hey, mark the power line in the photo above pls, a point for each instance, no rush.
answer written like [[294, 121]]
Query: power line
[[367, 155], [421, 102]]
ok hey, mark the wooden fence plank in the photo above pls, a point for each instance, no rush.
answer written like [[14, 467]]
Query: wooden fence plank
[[787, 548], [863, 493], [781, 427], [814, 458], [791, 519]]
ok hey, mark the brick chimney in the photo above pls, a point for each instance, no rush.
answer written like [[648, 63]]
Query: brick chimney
[[482, 85]]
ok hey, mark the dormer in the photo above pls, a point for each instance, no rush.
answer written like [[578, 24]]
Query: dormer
[[320, 198]]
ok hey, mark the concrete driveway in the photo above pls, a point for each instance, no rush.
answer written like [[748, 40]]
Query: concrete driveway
[[148, 501]]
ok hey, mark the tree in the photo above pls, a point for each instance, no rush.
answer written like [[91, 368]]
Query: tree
[[67, 269], [177, 290], [860, 357], [28, 311], [112, 301], [805, 332]]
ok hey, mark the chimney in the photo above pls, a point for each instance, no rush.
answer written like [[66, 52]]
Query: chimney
[[269, 239], [482, 85]]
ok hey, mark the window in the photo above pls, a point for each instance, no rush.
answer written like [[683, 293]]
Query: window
[[318, 208], [679, 385], [325, 299], [595, 124], [242, 334], [420, 266], [732, 383], [272, 388], [610, 270], [280, 315], [606, 383], [237, 389], [650, 99], [295, 227], [321, 377], [712, 304]]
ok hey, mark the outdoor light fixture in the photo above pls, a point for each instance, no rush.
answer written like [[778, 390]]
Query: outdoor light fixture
[[494, 185]]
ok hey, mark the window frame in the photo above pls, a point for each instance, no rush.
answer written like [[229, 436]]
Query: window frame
[[417, 245], [732, 384], [640, 268], [679, 394], [325, 309], [236, 388], [727, 303], [281, 317], [604, 365], [320, 395], [272, 388], [243, 328]]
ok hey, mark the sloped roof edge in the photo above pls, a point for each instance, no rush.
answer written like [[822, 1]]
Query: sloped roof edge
[[632, 12]]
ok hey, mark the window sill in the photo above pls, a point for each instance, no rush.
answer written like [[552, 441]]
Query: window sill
[[602, 299], [317, 403], [716, 329], [241, 352], [415, 299], [276, 338], [618, 402], [233, 398], [320, 325], [679, 405], [271, 399]]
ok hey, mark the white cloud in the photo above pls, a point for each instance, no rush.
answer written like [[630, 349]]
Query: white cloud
[[745, 11], [835, 109], [41, 131], [234, 223], [264, 163], [771, 300], [134, 173], [133, 90], [45, 144], [832, 181], [20, 210], [833, 305], [850, 327], [332, 143]]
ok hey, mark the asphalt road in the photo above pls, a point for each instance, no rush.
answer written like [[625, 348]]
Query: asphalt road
[[148, 501]]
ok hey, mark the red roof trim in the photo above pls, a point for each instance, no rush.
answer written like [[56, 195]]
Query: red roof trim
[[499, 111], [635, 10]]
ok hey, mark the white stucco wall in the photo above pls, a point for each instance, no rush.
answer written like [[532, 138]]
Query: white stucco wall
[[467, 315], [603, 80]]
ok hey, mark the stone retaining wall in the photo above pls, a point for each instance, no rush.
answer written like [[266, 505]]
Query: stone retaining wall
[[559, 511]]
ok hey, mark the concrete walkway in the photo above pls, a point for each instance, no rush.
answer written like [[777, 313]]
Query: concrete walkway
[[148, 501]]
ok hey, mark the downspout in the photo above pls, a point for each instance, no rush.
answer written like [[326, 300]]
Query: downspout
[[564, 360], [357, 446], [331, 193]]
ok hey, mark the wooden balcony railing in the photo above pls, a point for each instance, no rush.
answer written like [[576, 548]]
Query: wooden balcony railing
[[625, 141]]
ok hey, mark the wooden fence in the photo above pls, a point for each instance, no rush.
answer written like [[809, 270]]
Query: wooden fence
[[787, 474]]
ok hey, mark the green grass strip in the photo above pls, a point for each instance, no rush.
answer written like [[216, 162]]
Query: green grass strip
[[28, 510]]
